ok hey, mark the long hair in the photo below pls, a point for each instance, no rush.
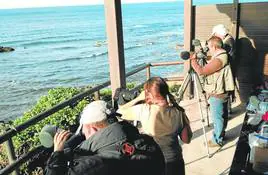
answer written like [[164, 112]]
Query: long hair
[[159, 90], [156, 89]]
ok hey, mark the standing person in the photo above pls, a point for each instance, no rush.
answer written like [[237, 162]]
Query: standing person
[[229, 45], [228, 41], [110, 148], [163, 119], [218, 81]]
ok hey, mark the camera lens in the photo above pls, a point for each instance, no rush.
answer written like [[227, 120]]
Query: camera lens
[[46, 136]]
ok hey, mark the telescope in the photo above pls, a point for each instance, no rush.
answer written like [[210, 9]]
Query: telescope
[[201, 54], [46, 137]]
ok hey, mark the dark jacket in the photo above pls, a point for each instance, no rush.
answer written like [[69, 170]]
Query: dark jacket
[[117, 149]]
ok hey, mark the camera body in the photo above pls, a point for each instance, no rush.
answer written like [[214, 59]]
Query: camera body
[[122, 95], [201, 52]]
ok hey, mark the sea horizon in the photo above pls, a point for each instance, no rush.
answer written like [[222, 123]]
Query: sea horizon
[[66, 47]]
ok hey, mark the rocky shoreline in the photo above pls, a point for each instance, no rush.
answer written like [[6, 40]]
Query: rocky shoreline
[[6, 49]]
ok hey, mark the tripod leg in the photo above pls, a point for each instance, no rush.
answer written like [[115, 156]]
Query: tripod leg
[[198, 84], [183, 87], [195, 77]]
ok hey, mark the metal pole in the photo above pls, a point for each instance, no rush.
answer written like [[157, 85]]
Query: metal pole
[[148, 72], [235, 20], [201, 112], [11, 154]]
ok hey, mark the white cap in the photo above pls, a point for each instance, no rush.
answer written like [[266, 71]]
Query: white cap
[[94, 112], [220, 29]]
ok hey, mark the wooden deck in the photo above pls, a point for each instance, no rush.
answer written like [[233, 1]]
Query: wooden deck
[[195, 153]]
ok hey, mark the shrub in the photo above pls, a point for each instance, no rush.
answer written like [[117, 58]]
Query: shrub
[[3, 156], [66, 118], [174, 88]]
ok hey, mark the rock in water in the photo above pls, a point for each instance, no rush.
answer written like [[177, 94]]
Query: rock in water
[[6, 49]]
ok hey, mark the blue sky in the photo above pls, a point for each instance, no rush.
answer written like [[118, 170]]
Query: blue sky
[[9, 4]]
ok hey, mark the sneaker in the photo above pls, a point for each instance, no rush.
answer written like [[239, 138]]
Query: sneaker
[[211, 144]]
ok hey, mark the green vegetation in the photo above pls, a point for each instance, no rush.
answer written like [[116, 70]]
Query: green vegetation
[[174, 88], [67, 118]]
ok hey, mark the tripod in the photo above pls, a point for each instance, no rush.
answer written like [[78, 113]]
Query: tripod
[[192, 76]]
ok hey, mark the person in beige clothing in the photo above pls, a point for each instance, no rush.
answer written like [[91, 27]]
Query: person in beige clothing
[[163, 119], [218, 82]]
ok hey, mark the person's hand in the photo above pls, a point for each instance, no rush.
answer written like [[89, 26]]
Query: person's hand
[[193, 56], [59, 140]]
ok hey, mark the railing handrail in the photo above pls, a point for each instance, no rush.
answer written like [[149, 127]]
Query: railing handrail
[[169, 63], [13, 131], [24, 158]]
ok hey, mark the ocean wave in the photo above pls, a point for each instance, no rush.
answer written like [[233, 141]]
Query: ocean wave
[[141, 44], [139, 26], [56, 37], [133, 47], [37, 43], [65, 48], [32, 38], [12, 105], [97, 54], [13, 42], [94, 55], [23, 92]]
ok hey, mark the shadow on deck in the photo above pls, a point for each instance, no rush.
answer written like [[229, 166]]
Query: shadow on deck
[[195, 154]]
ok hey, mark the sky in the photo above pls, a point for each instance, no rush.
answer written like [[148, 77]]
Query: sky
[[9, 4]]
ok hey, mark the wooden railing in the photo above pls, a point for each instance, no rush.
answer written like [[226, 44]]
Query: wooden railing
[[7, 136]]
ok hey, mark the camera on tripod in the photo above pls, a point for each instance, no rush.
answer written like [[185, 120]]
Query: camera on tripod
[[201, 52]]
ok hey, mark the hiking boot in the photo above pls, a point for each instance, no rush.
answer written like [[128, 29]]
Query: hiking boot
[[211, 144]]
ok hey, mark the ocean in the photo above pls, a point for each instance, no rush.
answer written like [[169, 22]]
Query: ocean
[[66, 47]]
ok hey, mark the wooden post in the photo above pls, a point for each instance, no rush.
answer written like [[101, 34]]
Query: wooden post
[[188, 29], [188, 24], [189, 21], [11, 154], [114, 32]]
